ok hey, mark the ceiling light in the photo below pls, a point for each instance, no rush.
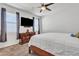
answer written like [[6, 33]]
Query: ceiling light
[[43, 8]]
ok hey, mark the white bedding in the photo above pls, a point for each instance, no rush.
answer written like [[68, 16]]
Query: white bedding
[[57, 43]]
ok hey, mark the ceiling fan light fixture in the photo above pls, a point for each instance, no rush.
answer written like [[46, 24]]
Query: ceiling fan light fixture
[[43, 8]]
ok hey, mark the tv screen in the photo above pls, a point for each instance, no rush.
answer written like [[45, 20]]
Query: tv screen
[[26, 22]]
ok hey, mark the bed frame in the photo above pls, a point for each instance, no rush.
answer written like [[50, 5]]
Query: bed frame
[[38, 51]]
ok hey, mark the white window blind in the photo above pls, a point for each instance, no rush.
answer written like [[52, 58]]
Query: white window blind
[[11, 22], [36, 27]]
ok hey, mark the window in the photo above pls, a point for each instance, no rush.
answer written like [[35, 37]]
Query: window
[[11, 26], [11, 22], [36, 25]]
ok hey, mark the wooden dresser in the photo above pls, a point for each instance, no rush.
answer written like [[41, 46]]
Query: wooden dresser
[[25, 37]]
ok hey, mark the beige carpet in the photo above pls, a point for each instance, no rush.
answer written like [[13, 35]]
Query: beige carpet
[[15, 50]]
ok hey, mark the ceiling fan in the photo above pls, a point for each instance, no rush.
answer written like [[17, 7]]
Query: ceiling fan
[[45, 7]]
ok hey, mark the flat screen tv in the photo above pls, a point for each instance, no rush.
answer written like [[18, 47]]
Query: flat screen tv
[[26, 22]]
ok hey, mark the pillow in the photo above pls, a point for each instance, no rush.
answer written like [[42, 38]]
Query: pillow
[[77, 35], [73, 35]]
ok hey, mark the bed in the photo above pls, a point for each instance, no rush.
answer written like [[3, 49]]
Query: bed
[[54, 44]]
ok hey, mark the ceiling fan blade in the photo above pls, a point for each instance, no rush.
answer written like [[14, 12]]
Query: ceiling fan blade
[[42, 4], [48, 9], [49, 4], [40, 10]]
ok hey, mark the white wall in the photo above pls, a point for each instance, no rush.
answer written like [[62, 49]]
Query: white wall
[[24, 29], [11, 37], [65, 20]]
